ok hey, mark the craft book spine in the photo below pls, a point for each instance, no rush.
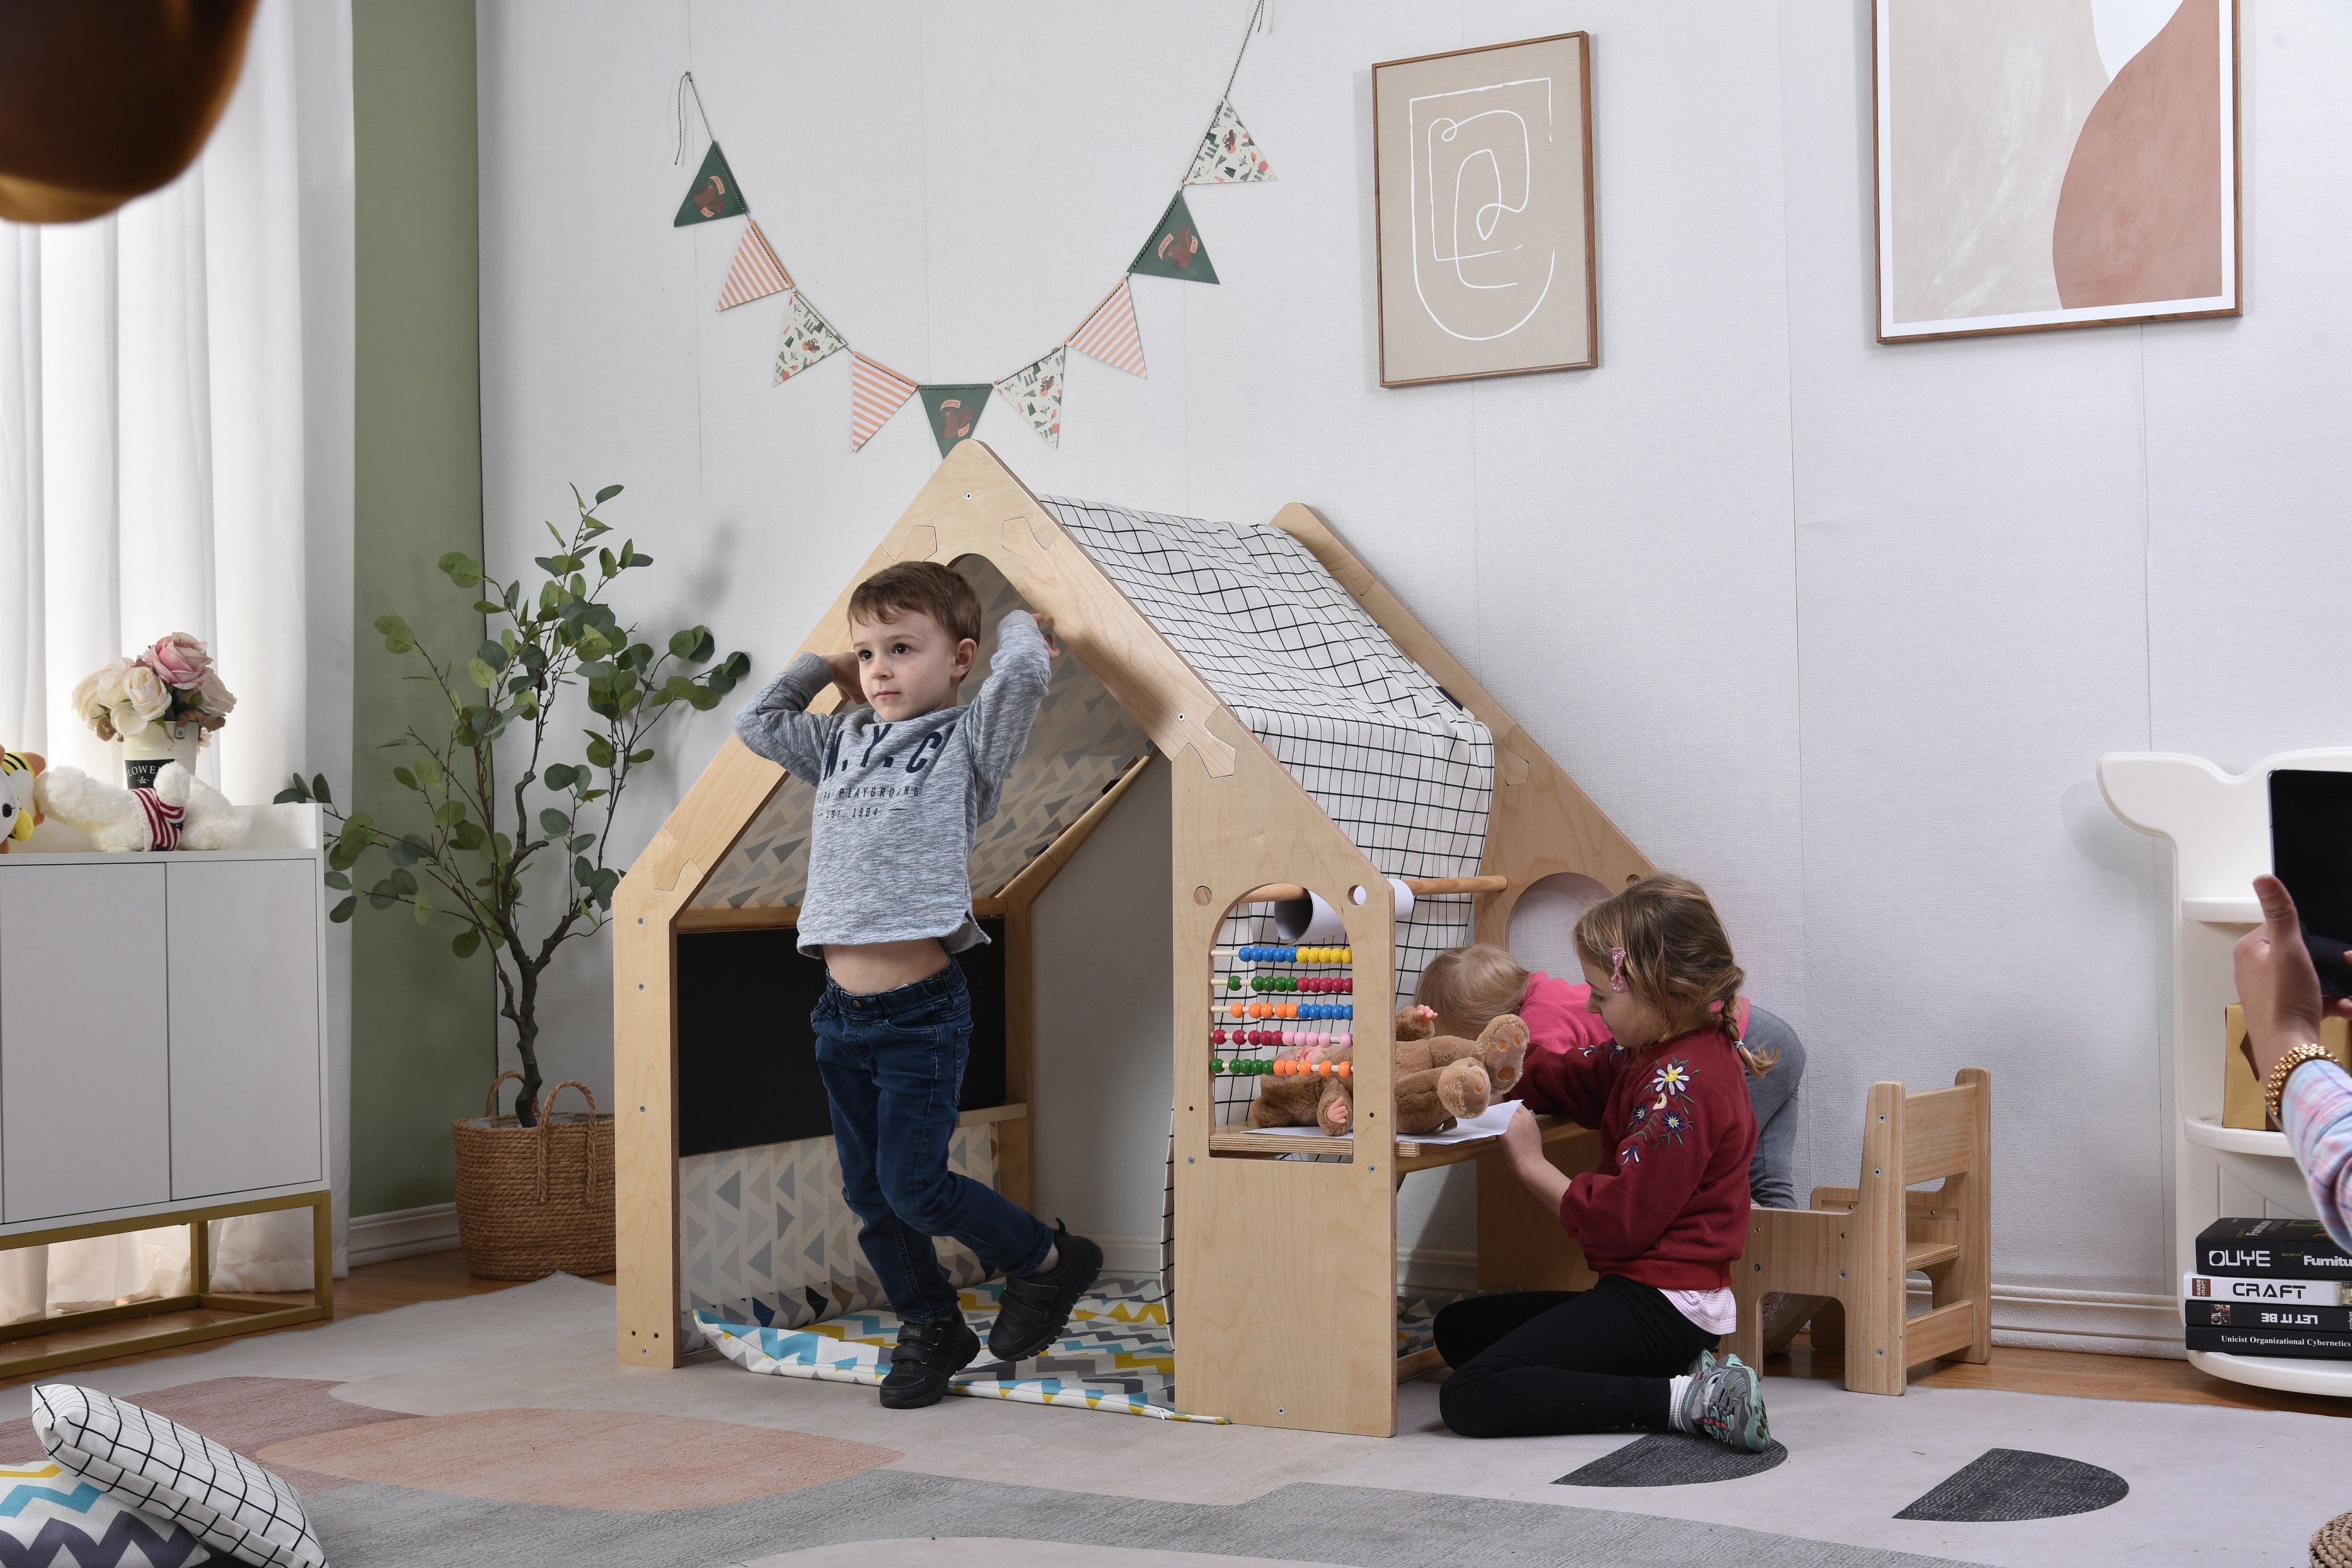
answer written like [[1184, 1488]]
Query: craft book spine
[[2304, 1343], [2271, 1249], [2268, 1315], [2195, 1287]]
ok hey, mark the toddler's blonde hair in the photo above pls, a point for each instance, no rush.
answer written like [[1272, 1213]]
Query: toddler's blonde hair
[[1470, 988], [1677, 956]]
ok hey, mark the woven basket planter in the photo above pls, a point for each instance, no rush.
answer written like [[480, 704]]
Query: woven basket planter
[[2332, 1546], [535, 1201]]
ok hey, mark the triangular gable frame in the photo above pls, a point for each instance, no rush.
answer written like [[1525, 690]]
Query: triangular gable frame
[[1288, 1268]]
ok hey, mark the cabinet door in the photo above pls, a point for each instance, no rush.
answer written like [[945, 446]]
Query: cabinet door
[[245, 1025], [85, 1091]]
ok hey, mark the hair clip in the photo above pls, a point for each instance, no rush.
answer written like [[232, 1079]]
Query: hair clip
[[1617, 971]]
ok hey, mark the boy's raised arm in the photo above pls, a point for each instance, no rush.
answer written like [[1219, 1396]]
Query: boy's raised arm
[[778, 725], [995, 724]]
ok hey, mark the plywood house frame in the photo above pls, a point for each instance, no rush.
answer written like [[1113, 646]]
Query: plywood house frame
[[1288, 1268]]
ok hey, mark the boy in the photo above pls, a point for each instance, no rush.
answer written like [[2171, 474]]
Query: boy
[[904, 780]]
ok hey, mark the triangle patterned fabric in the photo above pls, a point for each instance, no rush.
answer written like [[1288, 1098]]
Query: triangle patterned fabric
[[1228, 154], [1035, 389], [875, 393], [49, 1517], [1109, 332], [807, 337], [756, 272]]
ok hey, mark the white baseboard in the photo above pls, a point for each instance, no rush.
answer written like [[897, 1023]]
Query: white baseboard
[[2104, 1323], [402, 1233], [1130, 1256]]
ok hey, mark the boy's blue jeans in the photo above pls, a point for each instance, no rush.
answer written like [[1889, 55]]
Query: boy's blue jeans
[[893, 1068]]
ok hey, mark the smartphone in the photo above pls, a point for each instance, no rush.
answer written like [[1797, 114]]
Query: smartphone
[[2311, 852]]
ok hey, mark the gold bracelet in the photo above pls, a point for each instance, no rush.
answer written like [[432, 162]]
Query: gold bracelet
[[2274, 1090]]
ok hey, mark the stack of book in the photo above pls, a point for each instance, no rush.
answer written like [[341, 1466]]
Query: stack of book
[[2270, 1286]]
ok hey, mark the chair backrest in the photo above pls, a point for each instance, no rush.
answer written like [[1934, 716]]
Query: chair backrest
[[1940, 1132]]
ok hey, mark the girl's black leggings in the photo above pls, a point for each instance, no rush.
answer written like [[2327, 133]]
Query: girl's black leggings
[[1530, 1363]]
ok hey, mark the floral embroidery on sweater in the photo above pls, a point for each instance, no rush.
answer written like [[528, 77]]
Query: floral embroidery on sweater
[[1663, 1114]]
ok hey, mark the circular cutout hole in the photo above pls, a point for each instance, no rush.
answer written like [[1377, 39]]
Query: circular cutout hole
[[1356, 895], [1201, 894]]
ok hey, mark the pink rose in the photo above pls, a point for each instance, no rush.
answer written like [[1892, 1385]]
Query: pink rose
[[181, 659]]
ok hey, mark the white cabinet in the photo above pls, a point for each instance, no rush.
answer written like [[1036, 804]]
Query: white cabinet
[[244, 997], [85, 1096], [161, 1032]]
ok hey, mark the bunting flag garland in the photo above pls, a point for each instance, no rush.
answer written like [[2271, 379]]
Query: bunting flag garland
[[955, 412], [1035, 389], [808, 338], [1228, 154], [715, 193], [1174, 249], [756, 273], [1109, 334], [875, 393]]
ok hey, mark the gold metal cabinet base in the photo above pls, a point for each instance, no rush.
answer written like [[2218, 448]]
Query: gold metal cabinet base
[[254, 1313]]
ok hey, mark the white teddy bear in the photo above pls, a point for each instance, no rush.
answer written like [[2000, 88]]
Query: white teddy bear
[[181, 812]]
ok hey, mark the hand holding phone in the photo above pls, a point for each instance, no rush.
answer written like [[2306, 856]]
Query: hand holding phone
[[2311, 852]]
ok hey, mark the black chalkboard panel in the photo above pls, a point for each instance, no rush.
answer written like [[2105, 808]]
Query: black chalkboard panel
[[747, 1058]]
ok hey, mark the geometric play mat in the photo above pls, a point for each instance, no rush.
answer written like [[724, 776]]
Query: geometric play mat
[[1115, 1355]]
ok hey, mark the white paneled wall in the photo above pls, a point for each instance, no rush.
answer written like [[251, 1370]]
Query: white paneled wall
[[1837, 629]]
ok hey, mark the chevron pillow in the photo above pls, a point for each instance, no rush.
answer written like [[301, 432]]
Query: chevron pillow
[[168, 1472], [51, 1518]]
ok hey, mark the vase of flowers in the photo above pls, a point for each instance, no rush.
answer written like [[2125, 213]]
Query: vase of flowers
[[162, 703]]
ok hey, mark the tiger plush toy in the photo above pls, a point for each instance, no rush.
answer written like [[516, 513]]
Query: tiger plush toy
[[19, 771]]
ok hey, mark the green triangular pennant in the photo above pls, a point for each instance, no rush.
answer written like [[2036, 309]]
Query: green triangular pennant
[[1174, 249], [715, 193], [955, 411]]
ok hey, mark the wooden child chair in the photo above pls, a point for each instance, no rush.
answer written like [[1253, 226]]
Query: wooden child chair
[[1856, 1245]]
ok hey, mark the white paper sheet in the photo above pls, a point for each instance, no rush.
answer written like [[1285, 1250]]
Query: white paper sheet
[[1489, 1125]]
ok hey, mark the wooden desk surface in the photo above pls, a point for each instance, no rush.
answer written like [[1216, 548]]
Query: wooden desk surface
[[1411, 1154]]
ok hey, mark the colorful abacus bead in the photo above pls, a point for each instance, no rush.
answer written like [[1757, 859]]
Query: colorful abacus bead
[[1233, 982], [1238, 1009]]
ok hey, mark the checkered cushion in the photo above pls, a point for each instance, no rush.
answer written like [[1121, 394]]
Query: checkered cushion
[[50, 1519], [167, 1471]]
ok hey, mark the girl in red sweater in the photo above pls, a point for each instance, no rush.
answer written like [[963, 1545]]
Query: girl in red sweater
[[1653, 1061]]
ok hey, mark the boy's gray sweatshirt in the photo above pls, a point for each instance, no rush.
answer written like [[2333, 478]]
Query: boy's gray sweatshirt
[[898, 805]]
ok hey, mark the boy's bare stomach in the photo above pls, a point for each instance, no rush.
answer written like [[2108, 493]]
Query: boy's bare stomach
[[868, 967]]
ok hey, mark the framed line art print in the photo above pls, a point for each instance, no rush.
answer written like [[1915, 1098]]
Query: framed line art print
[[1482, 180], [2046, 163]]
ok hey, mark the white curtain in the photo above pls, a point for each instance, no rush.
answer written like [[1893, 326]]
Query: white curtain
[[152, 480]]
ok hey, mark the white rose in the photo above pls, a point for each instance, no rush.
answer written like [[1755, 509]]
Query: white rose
[[213, 696], [95, 697], [145, 699]]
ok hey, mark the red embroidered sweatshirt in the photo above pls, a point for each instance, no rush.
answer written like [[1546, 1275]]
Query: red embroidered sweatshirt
[[1667, 1205]]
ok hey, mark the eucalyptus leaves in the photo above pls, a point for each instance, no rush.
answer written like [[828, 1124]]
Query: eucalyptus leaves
[[470, 861]]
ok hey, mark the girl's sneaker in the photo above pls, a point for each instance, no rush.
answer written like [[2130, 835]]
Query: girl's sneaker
[[1724, 1401]]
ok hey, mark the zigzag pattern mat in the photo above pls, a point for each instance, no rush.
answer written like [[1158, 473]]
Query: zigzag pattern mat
[[1118, 1355]]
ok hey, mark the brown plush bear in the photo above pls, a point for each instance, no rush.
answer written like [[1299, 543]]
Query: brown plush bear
[[1439, 1079]]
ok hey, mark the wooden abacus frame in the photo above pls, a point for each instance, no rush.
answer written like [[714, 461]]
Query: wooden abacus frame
[[1286, 1270]]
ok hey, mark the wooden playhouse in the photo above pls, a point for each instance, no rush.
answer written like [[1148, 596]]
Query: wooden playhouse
[[1282, 690]]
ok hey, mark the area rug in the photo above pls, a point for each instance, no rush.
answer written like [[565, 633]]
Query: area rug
[[497, 1430], [1117, 1356]]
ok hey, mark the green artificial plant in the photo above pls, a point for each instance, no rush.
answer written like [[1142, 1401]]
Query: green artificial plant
[[471, 864]]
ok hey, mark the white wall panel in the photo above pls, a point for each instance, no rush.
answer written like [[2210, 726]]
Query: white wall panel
[[1838, 629]]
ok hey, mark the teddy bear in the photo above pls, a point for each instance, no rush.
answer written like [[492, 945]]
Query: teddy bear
[[1438, 1079], [181, 812], [19, 775]]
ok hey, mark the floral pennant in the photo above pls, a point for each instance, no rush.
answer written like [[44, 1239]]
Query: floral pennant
[[715, 193], [875, 393], [1174, 249], [1035, 389], [756, 273], [1229, 156], [808, 338], [955, 412], [1109, 334]]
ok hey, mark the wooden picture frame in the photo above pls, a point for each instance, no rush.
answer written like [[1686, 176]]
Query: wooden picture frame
[[2030, 173], [1536, 144]]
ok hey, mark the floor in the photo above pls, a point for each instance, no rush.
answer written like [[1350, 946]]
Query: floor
[[442, 1276], [484, 1425]]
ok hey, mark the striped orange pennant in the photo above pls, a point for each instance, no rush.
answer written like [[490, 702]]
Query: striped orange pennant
[[756, 273], [1109, 334], [875, 393]]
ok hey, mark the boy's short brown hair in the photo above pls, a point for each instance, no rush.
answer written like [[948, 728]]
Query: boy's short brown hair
[[937, 591]]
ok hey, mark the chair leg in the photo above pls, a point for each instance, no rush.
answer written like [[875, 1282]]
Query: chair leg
[[1876, 1243]]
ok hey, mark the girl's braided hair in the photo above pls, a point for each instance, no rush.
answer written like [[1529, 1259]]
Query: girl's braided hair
[[1677, 957]]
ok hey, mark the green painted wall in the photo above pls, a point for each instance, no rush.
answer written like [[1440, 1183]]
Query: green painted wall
[[423, 1026]]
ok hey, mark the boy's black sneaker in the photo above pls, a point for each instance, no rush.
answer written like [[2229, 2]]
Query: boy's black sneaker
[[1038, 1305], [928, 1354]]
